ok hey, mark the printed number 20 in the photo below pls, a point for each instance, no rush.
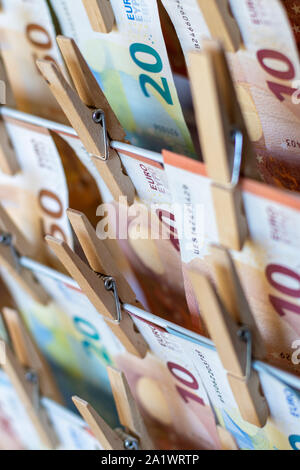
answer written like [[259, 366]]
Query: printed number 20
[[156, 67]]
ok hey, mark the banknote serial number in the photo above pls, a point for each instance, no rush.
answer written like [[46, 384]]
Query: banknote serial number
[[188, 24], [291, 143]]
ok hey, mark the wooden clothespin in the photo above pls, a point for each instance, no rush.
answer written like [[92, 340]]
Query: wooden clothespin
[[101, 15], [13, 245], [101, 281], [8, 158], [135, 436], [29, 355], [26, 386], [233, 329], [91, 116], [221, 23], [225, 143]]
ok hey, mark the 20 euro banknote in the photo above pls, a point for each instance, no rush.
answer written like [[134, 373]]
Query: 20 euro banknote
[[132, 67]]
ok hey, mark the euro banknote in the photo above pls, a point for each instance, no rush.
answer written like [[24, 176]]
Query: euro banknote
[[148, 240], [16, 430], [199, 374], [55, 173], [152, 265], [183, 378], [268, 264], [71, 431], [73, 337], [266, 72], [72, 334], [132, 67], [27, 34], [70, 179], [37, 196]]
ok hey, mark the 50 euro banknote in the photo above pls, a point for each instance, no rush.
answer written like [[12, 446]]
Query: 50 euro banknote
[[132, 67], [37, 196], [268, 264], [28, 33], [266, 72]]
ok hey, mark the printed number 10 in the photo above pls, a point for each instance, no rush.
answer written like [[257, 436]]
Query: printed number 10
[[156, 67]]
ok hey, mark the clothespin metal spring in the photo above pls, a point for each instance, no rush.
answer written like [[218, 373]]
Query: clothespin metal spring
[[110, 285], [32, 377], [130, 442], [238, 138], [245, 335], [99, 118], [6, 239]]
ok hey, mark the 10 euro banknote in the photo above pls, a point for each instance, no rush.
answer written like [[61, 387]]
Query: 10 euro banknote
[[268, 264]]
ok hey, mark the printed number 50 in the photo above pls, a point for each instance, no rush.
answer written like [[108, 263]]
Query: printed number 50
[[155, 67]]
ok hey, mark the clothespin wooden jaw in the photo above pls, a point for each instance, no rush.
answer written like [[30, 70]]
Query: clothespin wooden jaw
[[8, 158], [235, 335], [102, 283], [225, 143], [98, 254], [25, 384], [135, 436], [221, 23], [7, 95], [101, 15], [90, 115], [29, 355], [226, 438], [13, 245]]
